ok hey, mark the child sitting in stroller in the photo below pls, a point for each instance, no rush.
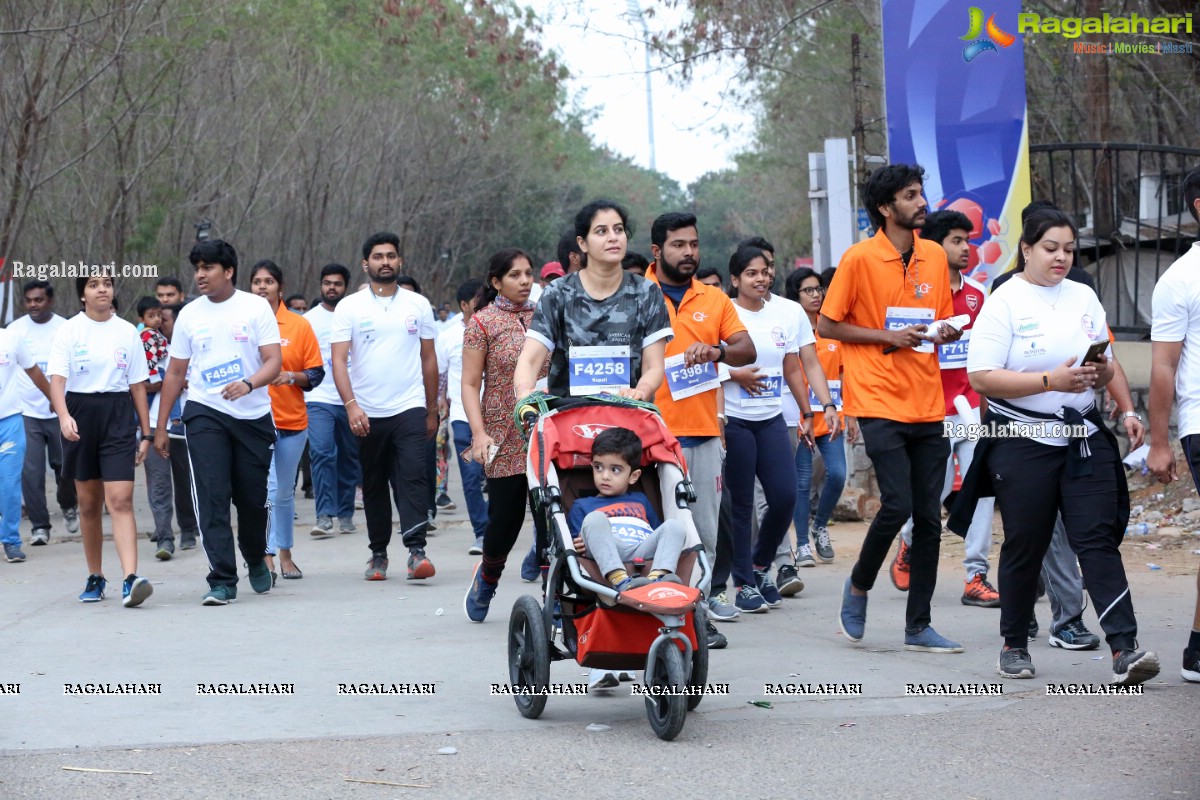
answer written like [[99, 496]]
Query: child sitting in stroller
[[620, 525]]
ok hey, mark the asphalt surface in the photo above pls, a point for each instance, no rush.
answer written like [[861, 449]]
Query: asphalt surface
[[333, 627]]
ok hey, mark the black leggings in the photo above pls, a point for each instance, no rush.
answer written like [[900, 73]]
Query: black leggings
[[507, 500]]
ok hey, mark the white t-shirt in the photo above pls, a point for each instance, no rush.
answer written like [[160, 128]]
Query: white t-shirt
[[36, 340], [98, 357], [221, 341], [1176, 318], [321, 320], [385, 336], [1019, 331], [781, 327], [14, 360], [449, 347]]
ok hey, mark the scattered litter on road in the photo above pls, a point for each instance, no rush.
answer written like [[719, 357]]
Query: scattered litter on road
[[760, 703], [793, 674], [847, 725], [1097, 658], [596, 727], [388, 783], [1153, 566], [447, 751], [438, 613], [108, 771]]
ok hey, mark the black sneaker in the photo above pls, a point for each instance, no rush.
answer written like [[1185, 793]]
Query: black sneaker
[[716, 639], [1074, 636], [166, 549], [377, 567], [788, 581], [444, 503], [766, 588], [1132, 667], [1191, 666], [822, 545], [1015, 663]]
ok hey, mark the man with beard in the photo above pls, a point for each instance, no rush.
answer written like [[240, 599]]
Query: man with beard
[[385, 368], [707, 331], [331, 445], [884, 298]]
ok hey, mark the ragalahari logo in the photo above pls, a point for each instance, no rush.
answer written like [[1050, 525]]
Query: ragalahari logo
[[978, 43]]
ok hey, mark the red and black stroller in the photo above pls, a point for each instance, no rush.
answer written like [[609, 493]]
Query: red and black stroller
[[659, 628]]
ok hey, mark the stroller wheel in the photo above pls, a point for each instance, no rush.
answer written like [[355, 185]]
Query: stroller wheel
[[666, 705], [699, 675], [528, 656]]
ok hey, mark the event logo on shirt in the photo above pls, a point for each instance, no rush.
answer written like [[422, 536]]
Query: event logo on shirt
[[699, 316], [832, 347], [410, 323], [972, 301], [1089, 325], [1033, 351], [778, 337], [121, 356], [240, 331]]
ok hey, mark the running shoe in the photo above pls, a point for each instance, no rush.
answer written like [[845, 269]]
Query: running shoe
[[13, 553], [444, 503], [767, 588], [477, 548], [187, 542], [1131, 667], [358, 498], [377, 567], [1015, 663], [219, 595], [899, 569], [346, 525], [71, 515], [1033, 628], [419, 565], [749, 600], [1074, 636], [530, 569], [1191, 666], [930, 641], [853, 616], [479, 597], [721, 610], [788, 581], [39, 537], [822, 544], [93, 591], [323, 529], [804, 556], [260, 577], [978, 592], [135, 590], [602, 679], [166, 549], [716, 639]]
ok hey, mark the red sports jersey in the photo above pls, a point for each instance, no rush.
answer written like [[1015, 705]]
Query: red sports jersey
[[952, 358]]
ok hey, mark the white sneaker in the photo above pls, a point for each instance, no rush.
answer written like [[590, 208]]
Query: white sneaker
[[71, 515], [323, 529], [602, 680], [804, 556]]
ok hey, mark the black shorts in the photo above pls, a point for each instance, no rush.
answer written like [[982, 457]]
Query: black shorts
[[107, 446]]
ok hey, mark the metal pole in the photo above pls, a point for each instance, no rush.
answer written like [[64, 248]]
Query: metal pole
[[636, 12]]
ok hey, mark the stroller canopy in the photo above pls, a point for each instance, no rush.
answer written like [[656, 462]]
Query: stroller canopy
[[564, 436]]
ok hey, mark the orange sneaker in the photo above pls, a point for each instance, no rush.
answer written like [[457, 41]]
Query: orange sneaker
[[978, 592], [899, 568]]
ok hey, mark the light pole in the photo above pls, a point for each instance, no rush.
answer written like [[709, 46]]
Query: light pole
[[635, 11]]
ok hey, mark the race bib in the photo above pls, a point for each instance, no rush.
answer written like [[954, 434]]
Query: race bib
[[771, 395], [835, 394], [630, 531], [902, 316], [217, 376], [592, 370], [953, 355], [685, 381]]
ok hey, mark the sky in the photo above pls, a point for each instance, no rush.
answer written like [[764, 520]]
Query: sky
[[599, 42]]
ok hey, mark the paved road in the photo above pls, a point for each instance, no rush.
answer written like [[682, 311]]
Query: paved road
[[332, 627]]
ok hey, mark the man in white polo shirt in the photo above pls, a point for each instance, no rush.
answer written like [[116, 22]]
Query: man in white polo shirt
[[385, 369], [227, 345]]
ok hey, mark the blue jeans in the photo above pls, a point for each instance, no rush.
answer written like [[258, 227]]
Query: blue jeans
[[833, 453], [333, 453], [472, 478], [281, 495], [12, 460]]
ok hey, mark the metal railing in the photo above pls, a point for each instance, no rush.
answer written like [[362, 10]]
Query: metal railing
[[1127, 200]]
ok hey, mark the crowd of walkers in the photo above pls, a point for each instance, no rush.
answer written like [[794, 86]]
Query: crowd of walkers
[[896, 347]]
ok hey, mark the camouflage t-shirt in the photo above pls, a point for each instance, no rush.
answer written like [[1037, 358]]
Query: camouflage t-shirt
[[634, 316]]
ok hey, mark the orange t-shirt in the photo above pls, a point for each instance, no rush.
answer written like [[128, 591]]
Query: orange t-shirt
[[903, 386], [301, 351], [829, 353], [706, 314]]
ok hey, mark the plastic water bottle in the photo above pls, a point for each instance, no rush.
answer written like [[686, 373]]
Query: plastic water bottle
[[1140, 529]]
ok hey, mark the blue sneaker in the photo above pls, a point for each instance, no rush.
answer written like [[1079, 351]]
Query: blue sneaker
[[93, 592], [749, 599], [260, 577], [479, 597], [766, 587], [853, 617], [530, 569], [13, 553], [930, 641], [134, 591]]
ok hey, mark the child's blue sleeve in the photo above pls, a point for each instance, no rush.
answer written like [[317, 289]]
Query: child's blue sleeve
[[575, 517]]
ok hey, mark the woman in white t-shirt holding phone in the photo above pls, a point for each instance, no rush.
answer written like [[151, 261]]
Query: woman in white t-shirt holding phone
[[1027, 356], [98, 377], [756, 434]]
